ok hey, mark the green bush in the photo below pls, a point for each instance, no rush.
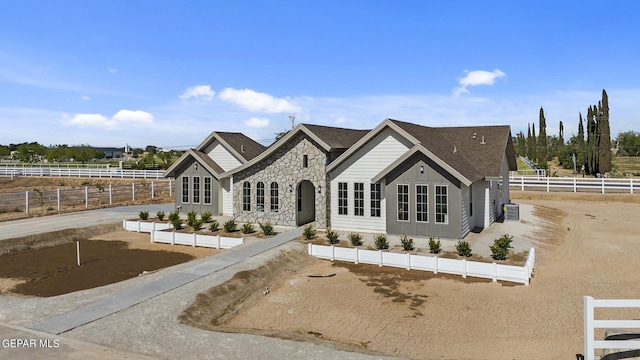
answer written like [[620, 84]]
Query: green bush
[[214, 226], [160, 215], [230, 226], [267, 228], [248, 228], [381, 242], [192, 217], [173, 216], [407, 243], [309, 232], [355, 239], [177, 223], [206, 217], [144, 215], [500, 247], [463, 248], [333, 236], [434, 246], [197, 225]]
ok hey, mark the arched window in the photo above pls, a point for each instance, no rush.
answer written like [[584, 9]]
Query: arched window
[[260, 196], [246, 196], [274, 197]]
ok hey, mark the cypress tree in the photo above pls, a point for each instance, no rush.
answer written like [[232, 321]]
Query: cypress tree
[[529, 143], [534, 144], [592, 140], [561, 133], [580, 154], [542, 141], [604, 134]]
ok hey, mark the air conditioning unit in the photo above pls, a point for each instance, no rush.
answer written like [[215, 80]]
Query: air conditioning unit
[[512, 212]]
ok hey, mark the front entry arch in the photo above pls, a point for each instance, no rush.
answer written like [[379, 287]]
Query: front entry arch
[[306, 202]]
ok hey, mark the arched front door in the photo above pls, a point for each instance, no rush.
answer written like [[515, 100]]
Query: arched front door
[[306, 202]]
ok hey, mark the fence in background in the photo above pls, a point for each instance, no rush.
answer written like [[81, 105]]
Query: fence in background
[[590, 324], [575, 184], [94, 196], [90, 172], [173, 237], [493, 271]]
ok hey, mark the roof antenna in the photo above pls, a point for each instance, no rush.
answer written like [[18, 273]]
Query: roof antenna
[[293, 120]]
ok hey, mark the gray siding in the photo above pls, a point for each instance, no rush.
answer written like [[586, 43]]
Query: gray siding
[[409, 173], [189, 170]]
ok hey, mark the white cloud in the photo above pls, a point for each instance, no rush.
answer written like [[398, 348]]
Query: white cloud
[[122, 117], [86, 98], [199, 92], [477, 77], [258, 102], [112, 70], [257, 122]]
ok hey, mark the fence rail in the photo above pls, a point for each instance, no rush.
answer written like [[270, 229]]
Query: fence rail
[[87, 196], [111, 173], [493, 271], [590, 324], [173, 238], [574, 184]]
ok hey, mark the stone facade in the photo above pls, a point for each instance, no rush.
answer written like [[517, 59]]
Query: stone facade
[[286, 167]]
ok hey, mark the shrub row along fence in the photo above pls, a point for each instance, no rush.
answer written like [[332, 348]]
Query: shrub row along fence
[[493, 271], [110, 173], [173, 237], [574, 184], [616, 343], [51, 200]]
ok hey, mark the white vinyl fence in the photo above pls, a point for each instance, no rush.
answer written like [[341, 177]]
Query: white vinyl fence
[[590, 324], [493, 271], [173, 237], [88, 196], [575, 184], [110, 173]]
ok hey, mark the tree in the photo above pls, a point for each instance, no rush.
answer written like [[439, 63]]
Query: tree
[[534, 144], [579, 148], [29, 152], [561, 132], [280, 135], [521, 144], [629, 143], [541, 146], [591, 148], [151, 149], [604, 136], [58, 153], [4, 151], [84, 153]]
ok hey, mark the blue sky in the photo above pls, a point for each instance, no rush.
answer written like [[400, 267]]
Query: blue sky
[[167, 73]]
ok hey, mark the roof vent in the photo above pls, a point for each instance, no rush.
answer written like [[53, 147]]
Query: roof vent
[[482, 142], [474, 135], [455, 150], [242, 148]]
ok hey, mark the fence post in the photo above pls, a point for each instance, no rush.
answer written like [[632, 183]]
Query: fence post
[[631, 184], [218, 247], [575, 185], [26, 207], [173, 238], [357, 256], [464, 268], [603, 185], [333, 253], [170, 189], [408, 261], [494, 276], [380, 258], [86, 196], [309, 249], [588, 328], [526, 275], [58, 202], [522, 182], [153, 234], [435, 267], [152, 191], [547, 184], [195, 239], [133, 192], [110, 195]]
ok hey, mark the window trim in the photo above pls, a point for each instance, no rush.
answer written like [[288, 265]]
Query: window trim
[[343, 198], [446, 204], [375, 200], [426, 203], [185, 189], [259, 196], [196, 189], [274, 206], [207, 190], [246, 196], [358, 201], [408, 202]]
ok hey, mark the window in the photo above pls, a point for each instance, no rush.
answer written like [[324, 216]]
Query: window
[[375, 200], [471, 200], [342, 198], [196, 189], [260, 196], [299, 197], [305, 160], [422, 203], [185, 189], [441, 205], [358, 199], [207, 190], [274, 197], [246, 196], [403, 202]]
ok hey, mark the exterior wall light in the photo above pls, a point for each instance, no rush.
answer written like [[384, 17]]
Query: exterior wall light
[[421, 169], [290, 188]]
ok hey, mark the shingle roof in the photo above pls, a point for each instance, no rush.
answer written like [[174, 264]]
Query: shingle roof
[[205, 159], [198, 156], [462, 147], [335, 137], [242, 144]]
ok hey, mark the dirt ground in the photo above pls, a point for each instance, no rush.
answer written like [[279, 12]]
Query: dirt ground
[[105, 259], [586, 245]]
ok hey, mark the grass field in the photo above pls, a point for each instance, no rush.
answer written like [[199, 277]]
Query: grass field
[[623, 166]]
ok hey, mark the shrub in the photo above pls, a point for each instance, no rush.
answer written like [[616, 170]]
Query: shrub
[[248, 228], [214, 226], [206, 217], [230, 226], [434, 246], [500, 247], [381, 242], [333, 236], [160, 215], [267, 228], [309, 232], [355, 239], [177, 223], [463, 248], [192, 217], [197, 225], [407, 243], [173, 216], [144, 215]]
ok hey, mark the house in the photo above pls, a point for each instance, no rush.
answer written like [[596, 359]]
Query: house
[[199, 185], [399, 178], [110, 152]]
